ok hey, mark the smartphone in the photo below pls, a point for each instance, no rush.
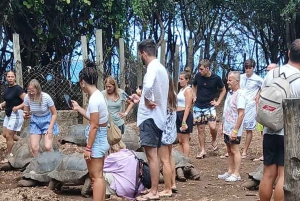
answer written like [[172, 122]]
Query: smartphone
[[68, 100]]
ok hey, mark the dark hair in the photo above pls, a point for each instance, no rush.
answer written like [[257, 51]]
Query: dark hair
[[187, 73], [249, 63], [147, 46], [14, 72], [295, 51], [172, 98], [89, 74], [205, 63]]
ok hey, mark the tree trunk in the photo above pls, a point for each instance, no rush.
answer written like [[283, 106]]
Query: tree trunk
[[291, 111]]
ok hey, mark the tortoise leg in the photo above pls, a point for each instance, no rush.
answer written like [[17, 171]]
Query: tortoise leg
[[27, 183], [6, 167], [195, 174], [86, 186], [55, 185], [180, 174]]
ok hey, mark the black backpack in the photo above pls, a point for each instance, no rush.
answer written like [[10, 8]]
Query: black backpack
[[142, 174]]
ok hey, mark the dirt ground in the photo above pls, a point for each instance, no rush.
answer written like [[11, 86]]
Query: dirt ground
[[209, 188]]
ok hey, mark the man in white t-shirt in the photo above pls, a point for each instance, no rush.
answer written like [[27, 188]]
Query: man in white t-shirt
[[273, 142], [152, 111], [251, 84], [231, 126]]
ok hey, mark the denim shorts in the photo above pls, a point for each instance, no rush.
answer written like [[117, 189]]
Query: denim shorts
[[203, 115], [100, 145], [40, 124]]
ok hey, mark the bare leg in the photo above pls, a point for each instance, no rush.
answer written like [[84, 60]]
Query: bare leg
[[247, 142], [230, 159], [236, 159], [172, 167], [95, 167], [184, 143], [48, 142], [35, 144], [278, 192], [164, 156], [10, 140], [201, 137], [267, 181], [213, 131]]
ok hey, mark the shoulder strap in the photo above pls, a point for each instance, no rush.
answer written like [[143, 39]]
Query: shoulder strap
[[293, 77], [137, 180], [276, 72]]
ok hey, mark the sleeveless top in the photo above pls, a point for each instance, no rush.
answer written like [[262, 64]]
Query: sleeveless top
[[181, 97]]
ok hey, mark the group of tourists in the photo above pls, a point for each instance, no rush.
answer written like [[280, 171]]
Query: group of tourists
[[163, 115]]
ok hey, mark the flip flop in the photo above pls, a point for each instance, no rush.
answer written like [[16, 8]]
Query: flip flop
[[145, 198], [144, 192], [244, 156], [258, 159], [200, 156], [224, 156], [161, 194], [215, 148], [4, 161]]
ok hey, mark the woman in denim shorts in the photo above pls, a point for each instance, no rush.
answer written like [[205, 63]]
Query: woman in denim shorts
[[96, 131], [40, 108]]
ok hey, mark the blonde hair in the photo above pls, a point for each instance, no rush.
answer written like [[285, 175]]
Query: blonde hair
[[117, 147], [112, 81], [38, 95]]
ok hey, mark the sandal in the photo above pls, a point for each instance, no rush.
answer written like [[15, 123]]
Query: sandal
[[200, 156], [233, 178], [244, 156], [144, 192], [224, 156], [259, 159], [215, 148], [174, 190]]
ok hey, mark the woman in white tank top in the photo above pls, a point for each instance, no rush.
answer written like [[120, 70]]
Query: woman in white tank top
[[184, 121]]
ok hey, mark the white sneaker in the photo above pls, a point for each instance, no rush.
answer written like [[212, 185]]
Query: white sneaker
[[233, 178], [224, 176]]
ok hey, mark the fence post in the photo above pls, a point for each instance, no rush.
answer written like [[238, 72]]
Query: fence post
[[17, 58], [84, 57], [163, 53], [122, 63], [176, 67], [99, 59], [291, 114]]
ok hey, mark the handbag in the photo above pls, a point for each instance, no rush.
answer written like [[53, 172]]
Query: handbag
[[113, 133]]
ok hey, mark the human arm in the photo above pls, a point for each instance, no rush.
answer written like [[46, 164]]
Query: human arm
[[26, 112], [21, 106], [194, 88], [220, 131], [148, 88], [53, 119], [234, 132], [222, 95], [2, 105], [188, 94], [79, 109], [128, 109]]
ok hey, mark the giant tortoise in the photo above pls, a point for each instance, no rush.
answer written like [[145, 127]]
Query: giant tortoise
[[21, 155], [36, 173], [71, 170], [254, 178], [183, 166]]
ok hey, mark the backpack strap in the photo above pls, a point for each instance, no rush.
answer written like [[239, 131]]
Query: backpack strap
[[276, 72], [293, 77]]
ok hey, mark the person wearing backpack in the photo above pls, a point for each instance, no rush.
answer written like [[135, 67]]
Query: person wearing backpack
[[251, 84], [273, 142]]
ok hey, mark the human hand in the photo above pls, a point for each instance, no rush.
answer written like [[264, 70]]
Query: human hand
[[150, 104], [75, 105], [184, 127], [135, 98], [14, 109], [49, 133], [26, 114], [194, 99], [214, 103], [122, 114], [233, 135], [87, 155]]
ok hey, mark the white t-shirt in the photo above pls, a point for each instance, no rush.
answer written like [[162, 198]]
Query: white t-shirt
[[39, 109], [234, 100], [97, 104], [251, 85], [155, 88], [294, 87]]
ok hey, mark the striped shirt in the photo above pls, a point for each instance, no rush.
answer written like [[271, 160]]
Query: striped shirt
[[39, 109]]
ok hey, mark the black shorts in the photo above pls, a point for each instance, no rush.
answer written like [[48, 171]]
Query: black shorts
[[227, 140], [273, 149], [150, 134], [189, 122]]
